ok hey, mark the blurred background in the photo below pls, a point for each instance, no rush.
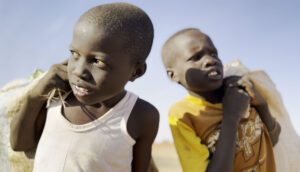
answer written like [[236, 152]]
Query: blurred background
[[35, 34]]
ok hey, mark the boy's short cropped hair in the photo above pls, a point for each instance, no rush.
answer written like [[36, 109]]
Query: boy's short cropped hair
[[127, 22], [167, 54]]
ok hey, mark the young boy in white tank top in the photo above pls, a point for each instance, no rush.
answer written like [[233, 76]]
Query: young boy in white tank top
[[97, 125]]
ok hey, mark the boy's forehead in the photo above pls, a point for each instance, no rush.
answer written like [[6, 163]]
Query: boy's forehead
[[191, 39], [87, 29], [94, 37], [191, 42]]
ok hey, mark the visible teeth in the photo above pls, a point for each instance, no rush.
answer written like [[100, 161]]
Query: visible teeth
[[213, 73], [80, 91]]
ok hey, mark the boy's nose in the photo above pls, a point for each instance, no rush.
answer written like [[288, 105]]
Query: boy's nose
[[80, 69], [210, 61]]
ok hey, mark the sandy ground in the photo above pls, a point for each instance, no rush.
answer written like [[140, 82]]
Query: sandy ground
[[165, 157]]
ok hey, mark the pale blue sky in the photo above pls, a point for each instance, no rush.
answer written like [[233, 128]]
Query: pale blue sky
[[262, 34]]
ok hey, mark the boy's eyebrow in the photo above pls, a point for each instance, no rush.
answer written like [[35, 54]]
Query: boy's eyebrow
[[72, 48], [196, 51], [205, 49], [200, 52]]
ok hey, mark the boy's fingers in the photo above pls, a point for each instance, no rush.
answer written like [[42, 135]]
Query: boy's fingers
[[248, 86], [63, 85], [65, 62], [231, 81], [250, 92], [62, 68], [245, 93], [62, 81], [233, 84], [245, 82], [62, 73]]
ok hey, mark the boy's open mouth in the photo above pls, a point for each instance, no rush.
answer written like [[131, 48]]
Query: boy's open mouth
[[80, 91], [214, 74]]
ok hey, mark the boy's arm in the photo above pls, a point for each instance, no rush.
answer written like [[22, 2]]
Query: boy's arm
[[28, 121], [235, 104], [272, 125], [143, 126], [262, 108]]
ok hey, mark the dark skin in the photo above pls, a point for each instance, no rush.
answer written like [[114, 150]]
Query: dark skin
[[193, 63], [259, 103], [97, 73]]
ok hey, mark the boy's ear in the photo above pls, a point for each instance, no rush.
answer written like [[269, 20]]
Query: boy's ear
[[139, 71], [171, 74]]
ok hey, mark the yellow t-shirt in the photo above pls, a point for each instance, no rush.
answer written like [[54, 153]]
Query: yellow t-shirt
[[195, 126]]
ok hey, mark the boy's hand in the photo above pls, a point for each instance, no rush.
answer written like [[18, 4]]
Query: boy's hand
[[236, 102], [246, 84], [56, 77], [256, 97]]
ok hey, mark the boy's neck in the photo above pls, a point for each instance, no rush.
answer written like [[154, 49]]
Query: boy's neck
[[215, 96], [113, 101], [72, 101], [92, 111]]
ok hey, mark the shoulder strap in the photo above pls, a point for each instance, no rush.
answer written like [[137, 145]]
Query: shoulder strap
[[129, 106]]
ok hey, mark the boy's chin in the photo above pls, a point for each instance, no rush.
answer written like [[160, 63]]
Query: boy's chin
[[215, 86], [87, 101], [213, 89], [83, 100], [210, 88]]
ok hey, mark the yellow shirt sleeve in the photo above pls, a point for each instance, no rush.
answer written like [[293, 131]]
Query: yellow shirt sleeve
[[193, 156]]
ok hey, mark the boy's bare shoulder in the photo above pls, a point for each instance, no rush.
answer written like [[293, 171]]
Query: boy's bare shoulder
[[143, 120], [145, 110]]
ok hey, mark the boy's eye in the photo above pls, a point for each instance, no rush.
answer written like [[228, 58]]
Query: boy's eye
[[74, 53], [196, 57], [99, 63]]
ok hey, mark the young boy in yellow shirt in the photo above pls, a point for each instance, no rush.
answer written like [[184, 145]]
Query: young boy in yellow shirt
[[223, 124]]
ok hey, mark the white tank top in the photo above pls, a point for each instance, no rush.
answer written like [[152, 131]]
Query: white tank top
[[102, 145]]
